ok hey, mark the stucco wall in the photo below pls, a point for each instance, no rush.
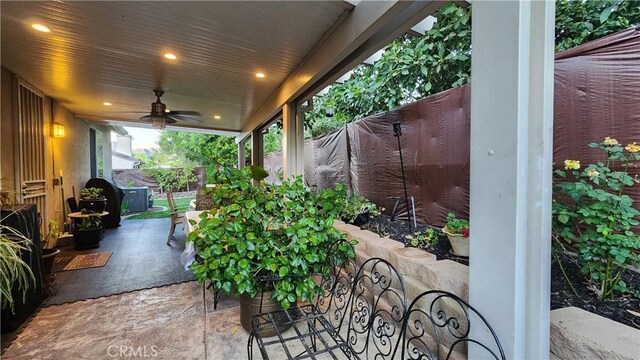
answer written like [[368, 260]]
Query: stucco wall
[[69, 154]]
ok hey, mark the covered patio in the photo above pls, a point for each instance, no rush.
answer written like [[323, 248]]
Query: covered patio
[[92, 65]]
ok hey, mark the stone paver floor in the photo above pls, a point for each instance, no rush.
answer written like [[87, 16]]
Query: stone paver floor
[[170, 322]]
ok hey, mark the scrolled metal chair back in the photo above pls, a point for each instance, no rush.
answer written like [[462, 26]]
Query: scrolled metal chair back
[[376, 310], [336, 282], [438, 324], [204, 202]]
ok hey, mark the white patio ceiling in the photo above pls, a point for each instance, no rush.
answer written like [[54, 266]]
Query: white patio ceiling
[[112, 52]]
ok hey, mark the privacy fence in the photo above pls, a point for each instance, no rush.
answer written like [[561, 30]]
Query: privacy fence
[[596, 95]]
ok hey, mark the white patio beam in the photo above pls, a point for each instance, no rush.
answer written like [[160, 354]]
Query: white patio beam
[[370, 26], [511, 163]]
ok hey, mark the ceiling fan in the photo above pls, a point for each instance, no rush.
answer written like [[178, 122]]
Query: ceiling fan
[[160, 117]]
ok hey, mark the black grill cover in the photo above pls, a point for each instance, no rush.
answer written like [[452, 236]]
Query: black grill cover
[[114, 197]]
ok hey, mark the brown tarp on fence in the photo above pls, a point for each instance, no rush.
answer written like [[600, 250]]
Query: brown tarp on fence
[[436, 161], [597, 94]]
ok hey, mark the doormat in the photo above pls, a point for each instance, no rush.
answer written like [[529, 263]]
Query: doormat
[[84, 261], [61, 261]]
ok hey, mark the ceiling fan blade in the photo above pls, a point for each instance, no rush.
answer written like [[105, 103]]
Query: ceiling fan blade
[[184, 112], [125, 112], [185, 119]]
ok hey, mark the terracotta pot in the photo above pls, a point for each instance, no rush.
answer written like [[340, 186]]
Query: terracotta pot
[[459, 243], [249, 307]]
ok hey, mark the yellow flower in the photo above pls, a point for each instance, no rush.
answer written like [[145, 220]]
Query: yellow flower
[[610, 142], [633, 147], [593, 173], [571, 164]]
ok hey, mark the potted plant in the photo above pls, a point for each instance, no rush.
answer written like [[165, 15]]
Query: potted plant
[[352, 209], [358, 210], [14, 269], [88, 232], [265, 242], [91, 199], [49, 253], [457, 231]]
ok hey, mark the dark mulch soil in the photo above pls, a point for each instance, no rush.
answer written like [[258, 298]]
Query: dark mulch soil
[[398, 230], [561, 293]]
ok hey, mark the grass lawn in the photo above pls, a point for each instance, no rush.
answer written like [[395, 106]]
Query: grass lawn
[[182, 205]]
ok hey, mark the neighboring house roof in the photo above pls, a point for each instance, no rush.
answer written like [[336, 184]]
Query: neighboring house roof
[[124, 156]]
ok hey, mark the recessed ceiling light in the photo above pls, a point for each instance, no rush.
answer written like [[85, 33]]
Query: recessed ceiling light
[[260, 75], [170, 56], [217, 117], [40, 27], [106, 103], [167, 110]]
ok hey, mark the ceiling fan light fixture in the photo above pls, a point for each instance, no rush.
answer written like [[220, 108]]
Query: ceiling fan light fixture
[[158, 123]]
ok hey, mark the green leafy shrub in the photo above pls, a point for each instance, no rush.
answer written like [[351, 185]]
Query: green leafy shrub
[[592, 210], [425, 239], [172, 179], [277, 232]]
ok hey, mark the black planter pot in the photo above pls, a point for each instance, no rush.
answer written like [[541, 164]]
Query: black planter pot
[[92, 205], [87, 239], [361, 220], [48, 257], [150, 202]]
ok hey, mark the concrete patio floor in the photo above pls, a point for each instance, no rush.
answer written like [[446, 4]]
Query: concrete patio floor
[[141, 259]]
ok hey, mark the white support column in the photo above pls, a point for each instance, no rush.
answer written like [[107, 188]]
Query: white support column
[[257, 148], [300, 140], [291, 145], [241, 154], [511, 161], [107, 165]]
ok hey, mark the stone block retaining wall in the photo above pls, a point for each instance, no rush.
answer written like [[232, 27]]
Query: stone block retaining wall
[[575, 333]]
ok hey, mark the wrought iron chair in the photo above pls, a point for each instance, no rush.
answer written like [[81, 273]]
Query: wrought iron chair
[[176, 218]]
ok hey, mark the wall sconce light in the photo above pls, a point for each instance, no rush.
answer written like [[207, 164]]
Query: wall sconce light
[[57, 130]]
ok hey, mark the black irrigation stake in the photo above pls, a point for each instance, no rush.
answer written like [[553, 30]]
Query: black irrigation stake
[[397, 132]]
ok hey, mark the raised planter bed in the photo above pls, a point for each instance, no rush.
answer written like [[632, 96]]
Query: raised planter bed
[[569, 329]]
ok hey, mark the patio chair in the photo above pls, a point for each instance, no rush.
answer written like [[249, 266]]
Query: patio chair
[[176, 218]]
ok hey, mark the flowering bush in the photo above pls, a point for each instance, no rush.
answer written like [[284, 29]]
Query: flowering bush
[[591, 210]]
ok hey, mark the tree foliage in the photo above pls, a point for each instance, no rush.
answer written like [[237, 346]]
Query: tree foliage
[[415, 67], [199, 149], [578, 22]]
